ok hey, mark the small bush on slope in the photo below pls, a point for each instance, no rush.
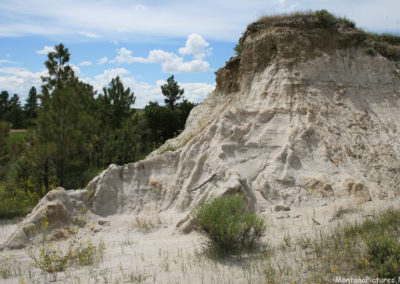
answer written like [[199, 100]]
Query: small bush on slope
[[230, 227]]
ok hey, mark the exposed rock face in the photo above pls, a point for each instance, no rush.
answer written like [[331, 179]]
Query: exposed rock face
[[58, 208], [303, 114]]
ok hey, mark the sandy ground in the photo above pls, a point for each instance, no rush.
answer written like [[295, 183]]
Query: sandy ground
[[149, 249]]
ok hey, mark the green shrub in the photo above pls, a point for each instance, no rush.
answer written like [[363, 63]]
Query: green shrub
[[325, 18], [238, 49], [16, 202], [383, 255], [230, 227]]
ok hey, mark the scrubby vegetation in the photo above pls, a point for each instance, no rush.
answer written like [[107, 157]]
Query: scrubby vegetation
[[388, 45], [50, 258], [229, 225], [366, 249], [321, 17], [370, 248]]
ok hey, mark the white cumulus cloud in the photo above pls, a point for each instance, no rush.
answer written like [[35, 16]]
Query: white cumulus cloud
[[197, 92], [102, 60], [145, 92], [85, 63], [125, 56], [89, 34], [75, 68], [101, 80], [197, 46], [45, 50], [20, 80], [170, 61]]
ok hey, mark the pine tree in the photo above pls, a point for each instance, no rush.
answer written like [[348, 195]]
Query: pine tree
[[4, 132], [117, 102], [4, 104], [117, 123], [66, 127], [172, 92], [59, 71], [14, 113], [31, 104]]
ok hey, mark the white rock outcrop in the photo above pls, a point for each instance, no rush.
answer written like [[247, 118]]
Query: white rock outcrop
[[292, 121]]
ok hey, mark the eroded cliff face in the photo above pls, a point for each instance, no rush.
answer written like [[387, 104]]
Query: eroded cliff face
[[303, 115]]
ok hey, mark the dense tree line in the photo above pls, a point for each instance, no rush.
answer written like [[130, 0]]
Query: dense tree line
[[73, 132]]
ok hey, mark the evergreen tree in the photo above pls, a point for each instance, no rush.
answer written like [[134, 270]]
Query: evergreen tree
[[59, 71], [172, 92], [4, 104], [117, 123], [4, 132], [116, 102], [31, 105], [14, 114], [184, 108], [66, 126], [162, 122]]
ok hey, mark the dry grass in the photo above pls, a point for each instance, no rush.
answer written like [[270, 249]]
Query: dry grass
[[275, 18]]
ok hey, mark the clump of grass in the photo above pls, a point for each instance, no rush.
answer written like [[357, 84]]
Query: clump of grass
[[167, 149], [228, 224], [5, 268], [383, 256], [146, 225], [270, 19], [52, 259], [321, 17], [388, 45], [370, 248]]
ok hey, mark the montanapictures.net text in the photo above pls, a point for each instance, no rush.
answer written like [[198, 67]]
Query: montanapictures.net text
[[366, 280]]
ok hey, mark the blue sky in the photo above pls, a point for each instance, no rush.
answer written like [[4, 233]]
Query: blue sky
[[144, 42]]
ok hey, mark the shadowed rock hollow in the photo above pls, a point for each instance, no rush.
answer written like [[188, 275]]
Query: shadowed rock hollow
[[307, 113]]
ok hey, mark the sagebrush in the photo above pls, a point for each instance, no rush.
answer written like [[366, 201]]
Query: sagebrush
[[229, 225]]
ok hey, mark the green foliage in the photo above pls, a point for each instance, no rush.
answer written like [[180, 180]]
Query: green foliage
[[73, 134], [271, 19], [16, 137], [51, 259], [4, 144], [16, 202], [116, 103], [238, 49], [31, 106], [370, 248], [59, 70], [165, 123], [229, 225], [4, 104], [172, 92], [167, 149], [383, 255], [388, 45], [64, 130], [14, 113], [325, 18]]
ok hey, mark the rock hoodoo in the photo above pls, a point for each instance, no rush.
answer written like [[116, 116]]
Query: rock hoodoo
[[308, 111]]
